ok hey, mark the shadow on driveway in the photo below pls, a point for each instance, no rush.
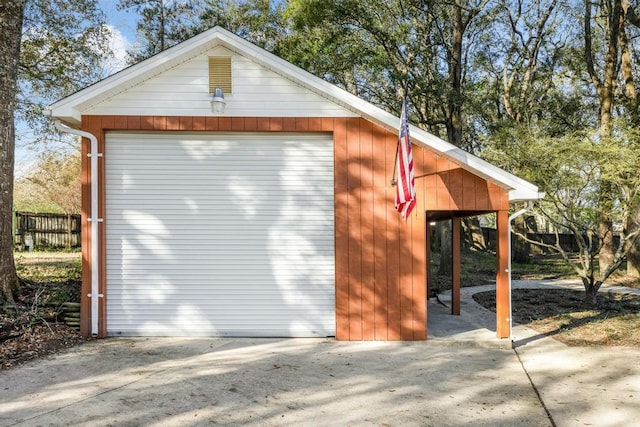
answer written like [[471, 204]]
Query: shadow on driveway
[[169, 381]]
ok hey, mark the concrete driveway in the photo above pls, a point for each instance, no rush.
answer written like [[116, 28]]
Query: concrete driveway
[[462, 375], [270, 382]]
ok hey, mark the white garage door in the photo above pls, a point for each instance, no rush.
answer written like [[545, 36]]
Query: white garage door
[[220, 234]]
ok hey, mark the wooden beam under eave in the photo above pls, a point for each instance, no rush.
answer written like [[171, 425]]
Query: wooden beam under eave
[[502, 275]]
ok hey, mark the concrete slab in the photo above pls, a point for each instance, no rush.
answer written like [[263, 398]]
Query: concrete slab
[[582, 386], [598, 386], [463, 375], [270, 382], [474, 326]]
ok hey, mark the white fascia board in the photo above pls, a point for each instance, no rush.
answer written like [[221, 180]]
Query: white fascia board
[[68, 109]]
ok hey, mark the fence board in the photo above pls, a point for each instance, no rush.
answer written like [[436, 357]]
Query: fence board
[[46, 230]]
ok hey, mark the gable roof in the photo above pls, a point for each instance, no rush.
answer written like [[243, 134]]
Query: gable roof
[[69, 109]]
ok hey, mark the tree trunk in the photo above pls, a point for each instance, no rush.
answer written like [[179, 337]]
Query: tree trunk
[[605, 82], [633, 257], [446, 261], [605, 234], [454, 125], [453, 122], [633, 260], [11, 15], [591, 291], [632, 221], [520, 247], [475, 237]]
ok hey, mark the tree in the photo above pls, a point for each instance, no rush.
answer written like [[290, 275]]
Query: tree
[[519, 67], [560, 106], [163, 24], [570, 170], [11, 16], [387, 47], [64, 44], [604, 81], [261, 22], [47, 49], [392, 49], [53, 184], [632, 106]]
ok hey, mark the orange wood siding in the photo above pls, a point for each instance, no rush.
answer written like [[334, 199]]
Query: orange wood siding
[[380, 260]]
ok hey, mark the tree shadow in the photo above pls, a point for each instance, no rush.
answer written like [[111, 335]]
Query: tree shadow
[[559, 311], [123, 381]]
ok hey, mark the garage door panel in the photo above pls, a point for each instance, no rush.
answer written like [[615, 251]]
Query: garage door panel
[[220, 234]]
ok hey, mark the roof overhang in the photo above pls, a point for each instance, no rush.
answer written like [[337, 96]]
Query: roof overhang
[[69, 110]]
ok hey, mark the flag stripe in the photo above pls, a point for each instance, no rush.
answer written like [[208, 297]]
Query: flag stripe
[[405, 184]]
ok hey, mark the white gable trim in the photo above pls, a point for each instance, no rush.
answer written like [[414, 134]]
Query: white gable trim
[[69, 109]]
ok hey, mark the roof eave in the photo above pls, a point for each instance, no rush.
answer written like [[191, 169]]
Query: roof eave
[[67, 110], [520, 195], [519, 189]]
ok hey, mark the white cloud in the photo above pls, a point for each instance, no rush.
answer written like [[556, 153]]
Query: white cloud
[[119, 45]]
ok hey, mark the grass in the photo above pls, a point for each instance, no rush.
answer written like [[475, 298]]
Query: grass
[[48, 277], [50, 267], [479, 268]]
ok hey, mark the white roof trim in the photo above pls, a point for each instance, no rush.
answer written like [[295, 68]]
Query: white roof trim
[[69, 109]]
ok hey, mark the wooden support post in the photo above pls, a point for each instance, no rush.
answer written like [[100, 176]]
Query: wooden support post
[[455, 265], [427, 251], [502, 275]]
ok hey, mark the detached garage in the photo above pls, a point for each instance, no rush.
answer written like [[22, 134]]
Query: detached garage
[[268, 212]]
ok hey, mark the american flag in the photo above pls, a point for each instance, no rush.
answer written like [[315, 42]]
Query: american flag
[[405, 185]]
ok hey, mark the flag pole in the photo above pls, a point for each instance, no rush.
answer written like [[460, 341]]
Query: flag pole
[[395, 166], [395, 161]]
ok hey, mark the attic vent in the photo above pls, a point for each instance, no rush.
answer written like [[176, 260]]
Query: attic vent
[[220, 73]]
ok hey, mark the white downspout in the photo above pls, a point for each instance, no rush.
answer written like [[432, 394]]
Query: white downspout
[[511, 218], [94, 220]]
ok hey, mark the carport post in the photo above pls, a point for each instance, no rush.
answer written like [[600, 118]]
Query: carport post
[[502, 274]]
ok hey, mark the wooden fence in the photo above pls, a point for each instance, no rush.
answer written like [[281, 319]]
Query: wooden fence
[[567, 241], [46, 231]]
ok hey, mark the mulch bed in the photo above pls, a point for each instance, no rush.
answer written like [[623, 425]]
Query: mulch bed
[[24, 343], [564, 315], [34, 327]]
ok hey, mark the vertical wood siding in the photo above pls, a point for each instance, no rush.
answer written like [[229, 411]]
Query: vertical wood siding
[[380, 259]]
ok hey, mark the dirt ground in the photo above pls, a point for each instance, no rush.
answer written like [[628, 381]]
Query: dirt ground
[[35, 326], [564, 315], [35, 341]]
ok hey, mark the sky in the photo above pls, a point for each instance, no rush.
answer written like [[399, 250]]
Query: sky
[[123, 28], [123, 25]]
